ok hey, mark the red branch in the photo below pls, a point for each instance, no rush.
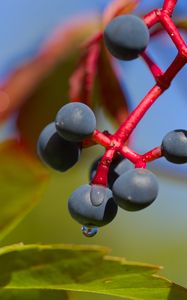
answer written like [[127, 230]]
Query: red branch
[[125, 130], [101, 175], [151, 18], [152, 154], [169, 6], [115, 143], [82, 80], [130, 154], [154, 68]]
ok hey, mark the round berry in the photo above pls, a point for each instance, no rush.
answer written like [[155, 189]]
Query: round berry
[[135, 189], [75, 121], [56, 152], [174, 146], [88, 214], [118, 166], [126, 37]]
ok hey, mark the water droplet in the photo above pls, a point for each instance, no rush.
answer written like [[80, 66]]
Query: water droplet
[[89, 232], [97, 194]]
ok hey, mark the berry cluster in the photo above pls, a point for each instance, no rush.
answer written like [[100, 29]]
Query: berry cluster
[[59, 144], [119, 177]]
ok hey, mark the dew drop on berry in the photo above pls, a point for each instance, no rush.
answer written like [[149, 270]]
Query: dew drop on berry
[[89, 232], [97, 194]]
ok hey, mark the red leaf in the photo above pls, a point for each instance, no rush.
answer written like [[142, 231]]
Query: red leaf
[[118, 7], [25, 79], [82, 80], [112, 96], [51, 91]]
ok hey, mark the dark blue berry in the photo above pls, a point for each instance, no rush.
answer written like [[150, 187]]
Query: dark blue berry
[[75, 121], [56, 152], [174, 146], [86, 213], [135, 189], [118, 166], [126, 37]]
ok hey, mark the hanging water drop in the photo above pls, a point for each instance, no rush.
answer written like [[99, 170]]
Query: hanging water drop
[[97, 194], [89, 232]]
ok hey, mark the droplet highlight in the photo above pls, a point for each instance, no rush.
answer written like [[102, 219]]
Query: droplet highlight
[[89, 232], [97, 194]]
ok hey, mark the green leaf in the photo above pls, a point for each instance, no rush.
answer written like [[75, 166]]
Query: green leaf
[[84, 269], [18, 294], [21, 183]]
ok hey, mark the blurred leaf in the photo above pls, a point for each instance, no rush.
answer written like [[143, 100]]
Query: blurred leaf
[[112, 97], [118, 7], [96, 65], [83, 269], [182, 23], [21, 183], [18, 294], [82, 79], [51, 91]]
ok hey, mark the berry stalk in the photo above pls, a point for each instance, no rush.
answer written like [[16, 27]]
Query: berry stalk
[[101, 175], [153, 67], [119, 177], [125, 130], [169, 6], [151, 18], [163, 80]]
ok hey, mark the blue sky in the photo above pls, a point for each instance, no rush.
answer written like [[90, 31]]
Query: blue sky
[[25, 23]]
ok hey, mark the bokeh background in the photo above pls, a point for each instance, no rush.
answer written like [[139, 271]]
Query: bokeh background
[[157, 235]]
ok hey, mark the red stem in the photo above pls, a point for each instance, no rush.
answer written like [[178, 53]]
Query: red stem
[[124, 131], [172, 30], [101, 138], [130, 154], [169, 6], [103, 168], [153, 67], [152, 154], [151, 18], [115, 143], [173, 69]]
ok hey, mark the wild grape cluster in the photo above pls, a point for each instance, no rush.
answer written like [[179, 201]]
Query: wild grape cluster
[[120, 177]]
